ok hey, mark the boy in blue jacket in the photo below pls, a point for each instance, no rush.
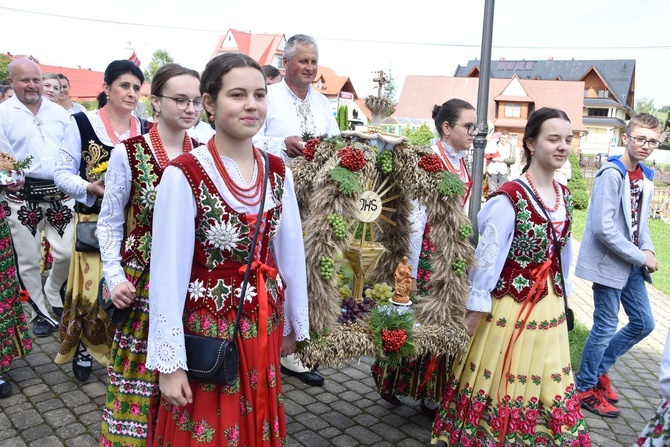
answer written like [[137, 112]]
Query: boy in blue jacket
[[617, 255]]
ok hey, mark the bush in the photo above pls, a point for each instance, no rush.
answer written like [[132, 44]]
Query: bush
[[580, 198], [577, 184]]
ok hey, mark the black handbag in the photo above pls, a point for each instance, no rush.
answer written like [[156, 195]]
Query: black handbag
[[86, 237], [115, 315], [213, 360], [569, 314]]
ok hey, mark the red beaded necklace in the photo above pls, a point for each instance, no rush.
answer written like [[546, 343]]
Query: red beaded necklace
[[244, 195], [557, 191], [107, 122], [159, 148]]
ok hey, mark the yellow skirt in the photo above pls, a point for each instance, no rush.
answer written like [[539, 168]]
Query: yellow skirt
[[83, 320], [515, 385]]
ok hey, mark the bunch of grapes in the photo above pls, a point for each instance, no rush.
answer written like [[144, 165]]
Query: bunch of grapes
[[352, 159], [459, 266], [309, 150], [345, 291], [464, 231], [385, 160], [430, 163], [380, 292], [353, 310], [327, 267], [393, 340], [339, 227]]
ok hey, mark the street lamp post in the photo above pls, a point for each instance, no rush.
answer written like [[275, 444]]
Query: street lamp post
[[479, 142]]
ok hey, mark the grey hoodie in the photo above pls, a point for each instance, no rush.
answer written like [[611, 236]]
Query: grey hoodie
[[607, 253]]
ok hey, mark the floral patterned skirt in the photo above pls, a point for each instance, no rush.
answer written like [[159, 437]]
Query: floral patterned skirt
[[421, 378], [132, 390], [521, 393], [657, 431], [248, 413], [82, 319], [14, 337]]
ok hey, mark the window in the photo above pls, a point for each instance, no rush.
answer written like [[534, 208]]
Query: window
[[512, 110], [597, 112], [603, 94], [280, 62]]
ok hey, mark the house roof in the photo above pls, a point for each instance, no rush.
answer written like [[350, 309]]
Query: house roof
[[261, 47], [618, 75], [604, 121], [420, 93], [330, 84]]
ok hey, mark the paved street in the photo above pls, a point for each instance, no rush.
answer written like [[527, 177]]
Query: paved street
[[50, 408]]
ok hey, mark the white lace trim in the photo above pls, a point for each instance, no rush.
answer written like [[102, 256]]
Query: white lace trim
[[166, 351], [488, 249], [479, 301]]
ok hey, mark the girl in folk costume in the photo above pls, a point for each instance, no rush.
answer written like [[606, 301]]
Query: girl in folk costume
[[206, 211], [423, 378], [135, 169], [89, 140], [515, 385], [14, 337]]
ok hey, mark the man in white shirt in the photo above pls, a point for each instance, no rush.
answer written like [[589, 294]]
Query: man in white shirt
[[35, 127], [296, 111], [501, 157], [295, 108]]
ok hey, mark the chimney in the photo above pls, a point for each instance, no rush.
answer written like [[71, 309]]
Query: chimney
[[550, 58]]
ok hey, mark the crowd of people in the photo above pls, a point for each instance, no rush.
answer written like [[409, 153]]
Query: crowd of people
[[206, 209]]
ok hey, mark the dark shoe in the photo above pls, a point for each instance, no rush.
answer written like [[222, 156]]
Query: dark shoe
[[42, 328], [429, 410], [312, 378], [594, 401], [58, 311], [81, 372], [5, 390], [390, 398]]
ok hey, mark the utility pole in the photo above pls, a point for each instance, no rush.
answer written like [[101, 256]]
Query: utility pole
[[479, 142]]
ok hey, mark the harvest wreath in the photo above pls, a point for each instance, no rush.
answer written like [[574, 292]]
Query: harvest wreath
[[355, 196]]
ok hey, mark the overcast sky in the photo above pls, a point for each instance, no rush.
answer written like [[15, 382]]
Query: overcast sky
[[419, 37]]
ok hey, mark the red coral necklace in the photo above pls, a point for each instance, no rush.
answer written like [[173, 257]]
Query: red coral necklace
[[244, 195], [107, 122], [557, 191], [159, 148]]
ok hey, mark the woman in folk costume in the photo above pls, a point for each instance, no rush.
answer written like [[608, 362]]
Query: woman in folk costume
[[514, 387], [206, 211], [89, 139], [14, 337], [124, 230], [456, 124]]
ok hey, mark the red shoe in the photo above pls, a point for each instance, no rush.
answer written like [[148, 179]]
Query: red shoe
[[605, 387], [594, 401]]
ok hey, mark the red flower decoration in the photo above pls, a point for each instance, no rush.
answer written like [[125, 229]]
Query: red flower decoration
[[431, 163], [393, 340], [310, 148]]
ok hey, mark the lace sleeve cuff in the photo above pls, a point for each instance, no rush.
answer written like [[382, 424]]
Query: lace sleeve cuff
[[479, 301]]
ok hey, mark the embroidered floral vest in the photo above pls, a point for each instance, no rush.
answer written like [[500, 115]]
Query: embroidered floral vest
[[531, 245], [93, 152], [222, 242]]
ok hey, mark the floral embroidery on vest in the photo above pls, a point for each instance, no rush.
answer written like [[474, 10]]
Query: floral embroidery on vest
[[531, 245]]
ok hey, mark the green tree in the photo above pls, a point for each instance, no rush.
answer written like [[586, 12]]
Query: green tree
[[420, 136], [390, 93], [4, 68], [645, 105], [158, 59], [343, 117], [577, 184]]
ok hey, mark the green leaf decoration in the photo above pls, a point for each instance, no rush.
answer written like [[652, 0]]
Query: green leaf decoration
[[346, 180], [451, 186]]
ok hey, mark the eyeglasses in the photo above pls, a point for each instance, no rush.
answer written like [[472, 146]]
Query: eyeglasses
[[641, 141], [472, 128], [183, 103]]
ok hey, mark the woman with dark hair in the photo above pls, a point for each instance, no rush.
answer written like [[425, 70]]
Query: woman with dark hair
[[515, 385], [89, 140], [422, 378], [64, 99], [206, 212], [135, 169]]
